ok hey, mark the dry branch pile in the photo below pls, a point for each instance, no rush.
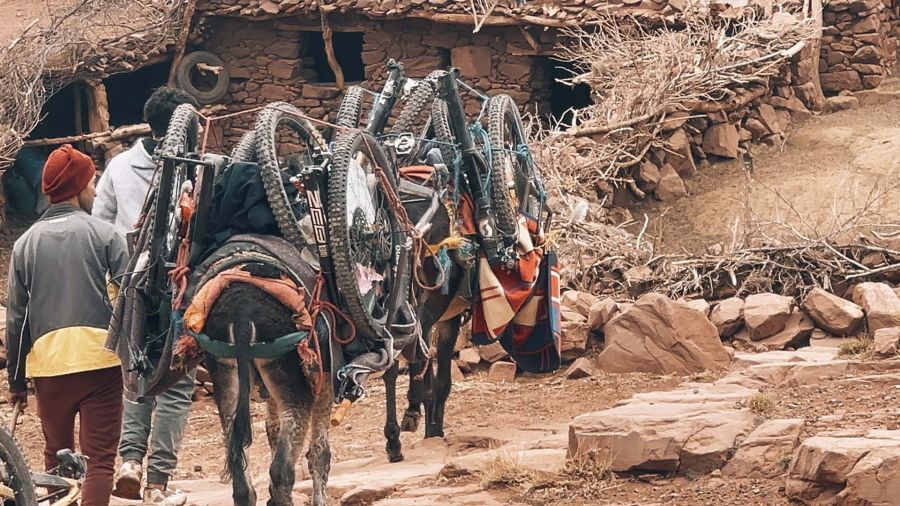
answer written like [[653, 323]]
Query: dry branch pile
[[88, 37], [788, 270], [639, 77]]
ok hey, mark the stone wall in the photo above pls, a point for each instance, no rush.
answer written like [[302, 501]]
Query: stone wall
[[269, 61], [859, 43], [710, 132]]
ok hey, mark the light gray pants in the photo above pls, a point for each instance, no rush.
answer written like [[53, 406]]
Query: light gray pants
[[163, 431]]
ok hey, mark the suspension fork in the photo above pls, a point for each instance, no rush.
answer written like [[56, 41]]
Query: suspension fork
[[381, 110], [474, 166]]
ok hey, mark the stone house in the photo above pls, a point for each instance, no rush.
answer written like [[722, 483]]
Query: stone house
[[274, 50]]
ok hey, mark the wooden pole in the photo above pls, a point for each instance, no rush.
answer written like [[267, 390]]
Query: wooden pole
[[329, 49], [109, 135], [182, 39]]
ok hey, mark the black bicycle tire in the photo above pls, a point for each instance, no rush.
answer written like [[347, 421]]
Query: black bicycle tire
[[343, 148], [502, 108], [17, 466], [350, 111], [443, 132], [183, 124], [412, 117], [267, 157], [245, 150]]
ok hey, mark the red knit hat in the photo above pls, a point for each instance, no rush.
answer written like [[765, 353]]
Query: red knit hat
[[66, 173]]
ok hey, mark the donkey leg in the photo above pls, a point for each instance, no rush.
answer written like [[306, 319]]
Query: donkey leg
[[442, 382], [292, 408], [225, 383], [319, 454], [273, 424], [415, 394], [391, 427]]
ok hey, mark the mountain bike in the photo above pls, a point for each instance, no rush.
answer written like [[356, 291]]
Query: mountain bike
[[18, 485], [495, 164]]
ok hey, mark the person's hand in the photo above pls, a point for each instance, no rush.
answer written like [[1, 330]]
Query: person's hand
[[16, 397]]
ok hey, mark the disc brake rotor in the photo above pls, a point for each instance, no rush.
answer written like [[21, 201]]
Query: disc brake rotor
[[369, 231]]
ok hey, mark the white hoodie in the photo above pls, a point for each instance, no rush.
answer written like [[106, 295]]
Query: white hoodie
[[123, 187]]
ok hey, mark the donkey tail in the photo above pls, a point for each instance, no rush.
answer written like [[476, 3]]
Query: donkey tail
[[240, 432]]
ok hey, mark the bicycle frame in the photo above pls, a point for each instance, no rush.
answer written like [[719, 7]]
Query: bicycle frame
[[474, 166], [381, 110]]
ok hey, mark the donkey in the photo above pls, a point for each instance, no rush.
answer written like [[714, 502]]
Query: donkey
[[427, 388], [244, 314]]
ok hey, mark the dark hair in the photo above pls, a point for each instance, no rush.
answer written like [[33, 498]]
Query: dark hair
[[160, 106]]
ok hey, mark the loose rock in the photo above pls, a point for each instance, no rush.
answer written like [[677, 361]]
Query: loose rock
[[502, 372], [574, 340], [832, 313], [881, 303], [766, 314], [728, 316], [657, 335], [580, 368], [601, 313], [579, 302], [762, 454], [886, 342], [469, 358], [670, 186], [492, 352]]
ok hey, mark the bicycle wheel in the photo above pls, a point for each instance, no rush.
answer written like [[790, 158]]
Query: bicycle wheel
[[245, 151], [14, 471], [181, 138], [275, 172], [443, 133], [414, 117], [351, 108], [365, 234], [510, 170]]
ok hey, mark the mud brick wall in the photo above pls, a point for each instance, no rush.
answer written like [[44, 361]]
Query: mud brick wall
[[859, 43], [269, 61]]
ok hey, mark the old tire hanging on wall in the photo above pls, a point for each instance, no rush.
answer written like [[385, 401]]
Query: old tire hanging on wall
[[183, 76]]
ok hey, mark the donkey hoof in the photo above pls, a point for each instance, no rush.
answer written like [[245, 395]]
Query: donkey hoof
[[394, 458], [410, 422]]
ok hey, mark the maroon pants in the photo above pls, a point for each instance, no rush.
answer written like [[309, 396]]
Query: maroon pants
[[96, 396]]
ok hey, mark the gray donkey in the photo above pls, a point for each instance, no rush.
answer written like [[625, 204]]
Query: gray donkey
[[244, 314]]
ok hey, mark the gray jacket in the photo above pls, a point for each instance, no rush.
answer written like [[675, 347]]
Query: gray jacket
[[58, 281]]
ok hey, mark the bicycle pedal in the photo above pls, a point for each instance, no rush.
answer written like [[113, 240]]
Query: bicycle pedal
[[404, 144]]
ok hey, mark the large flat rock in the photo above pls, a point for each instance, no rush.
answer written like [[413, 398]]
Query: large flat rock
[[691, 429], [847, 469]]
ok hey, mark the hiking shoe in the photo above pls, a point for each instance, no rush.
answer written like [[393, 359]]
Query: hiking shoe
[[128, 480], [164, 496]]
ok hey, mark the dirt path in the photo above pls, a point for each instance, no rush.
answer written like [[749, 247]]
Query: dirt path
[[831, 168]]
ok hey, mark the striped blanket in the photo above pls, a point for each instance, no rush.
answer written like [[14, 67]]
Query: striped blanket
[[520, 307]]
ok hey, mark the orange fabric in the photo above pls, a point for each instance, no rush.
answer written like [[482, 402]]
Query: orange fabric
[[423, 172], [467, 223], [282, 289]]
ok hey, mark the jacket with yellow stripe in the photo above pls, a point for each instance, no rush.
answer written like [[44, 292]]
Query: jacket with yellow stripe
[[58, 310]]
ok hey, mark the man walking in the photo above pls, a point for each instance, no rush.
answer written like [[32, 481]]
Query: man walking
[[57, 319], [121, 193]]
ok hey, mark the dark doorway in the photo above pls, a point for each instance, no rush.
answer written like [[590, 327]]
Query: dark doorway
[[348, 48], [126, 93], [565, 98], [64, 114]]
